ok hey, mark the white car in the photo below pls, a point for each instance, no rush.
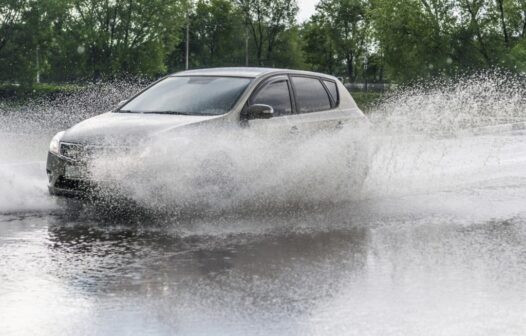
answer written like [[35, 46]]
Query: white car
[[289, 101]]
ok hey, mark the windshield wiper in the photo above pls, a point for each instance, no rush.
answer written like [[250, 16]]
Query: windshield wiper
[[153, 112], [168, 112]]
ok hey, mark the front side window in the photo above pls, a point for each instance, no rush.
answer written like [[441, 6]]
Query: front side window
[[277, 95], [189, 95], [311, 96]]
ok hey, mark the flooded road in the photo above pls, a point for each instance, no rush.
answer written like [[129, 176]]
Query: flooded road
[[403, 275], [447, 260]]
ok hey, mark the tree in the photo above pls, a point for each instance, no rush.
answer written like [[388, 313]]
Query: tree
[[415, 36], [26, 33], [318, 49], [266, 20], [341, 26], [11, 12], [70, 40], [217, 33], [124, 36], [11, 24], [287, 51]]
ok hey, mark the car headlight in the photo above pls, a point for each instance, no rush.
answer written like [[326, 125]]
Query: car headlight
[[54, 145]]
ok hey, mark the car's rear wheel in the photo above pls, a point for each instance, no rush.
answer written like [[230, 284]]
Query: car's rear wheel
[[356, 169]]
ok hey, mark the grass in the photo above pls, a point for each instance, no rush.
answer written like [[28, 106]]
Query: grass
[[16, 92], [366, 100]]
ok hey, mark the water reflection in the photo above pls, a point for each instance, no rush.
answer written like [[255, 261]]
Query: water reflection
[[413, 274], [116, 259]]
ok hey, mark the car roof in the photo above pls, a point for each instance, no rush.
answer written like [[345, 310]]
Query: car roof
[[251, 72]]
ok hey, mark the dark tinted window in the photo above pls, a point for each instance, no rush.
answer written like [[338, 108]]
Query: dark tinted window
[[333, 89], [277, 95], [197, 95], [310, 95]]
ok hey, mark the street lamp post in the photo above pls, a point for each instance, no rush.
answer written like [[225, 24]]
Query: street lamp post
[[365, 66], [38, 64], [187, 47], [246, 47]]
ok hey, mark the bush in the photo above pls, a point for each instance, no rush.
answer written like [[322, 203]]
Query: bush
[[366, 100], [16, 92]]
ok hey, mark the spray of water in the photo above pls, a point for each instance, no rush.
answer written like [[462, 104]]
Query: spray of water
[[43, 115], [454, 147], [450, 107], [26, 129], [216, 170], [424, 142]]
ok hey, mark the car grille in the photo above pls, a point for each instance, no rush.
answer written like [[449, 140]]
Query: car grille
[[80, 152]]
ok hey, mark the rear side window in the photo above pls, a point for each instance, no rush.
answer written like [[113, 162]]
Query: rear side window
[[311, 96], [277, 95], [333, 89]]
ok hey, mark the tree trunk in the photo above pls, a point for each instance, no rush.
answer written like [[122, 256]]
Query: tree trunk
[[476, 26], [503, 23], [259, 54], [258, 41], [350, 68]]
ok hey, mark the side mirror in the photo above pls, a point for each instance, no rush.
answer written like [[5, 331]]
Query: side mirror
[[259, 111], [121, 103]]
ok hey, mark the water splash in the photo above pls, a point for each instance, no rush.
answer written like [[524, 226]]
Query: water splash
[[423, 141], [26, 129], [216, 170], [42, 115], [453, 147], [447, 107]]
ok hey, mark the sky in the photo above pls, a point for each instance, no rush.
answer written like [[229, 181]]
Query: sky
[[306, 9]]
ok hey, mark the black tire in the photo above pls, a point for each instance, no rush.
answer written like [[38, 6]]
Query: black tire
[[357, 163]]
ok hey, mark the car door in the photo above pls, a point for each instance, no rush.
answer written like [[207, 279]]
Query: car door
[[275, 92], [317, 101]]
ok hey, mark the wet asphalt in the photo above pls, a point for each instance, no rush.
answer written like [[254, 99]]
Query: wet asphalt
[[439, 259]]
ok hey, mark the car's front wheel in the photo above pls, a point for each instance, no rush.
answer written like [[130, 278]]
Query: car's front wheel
[[216, 179]]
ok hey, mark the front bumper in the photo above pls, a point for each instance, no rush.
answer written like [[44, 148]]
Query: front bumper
[[59, 184]]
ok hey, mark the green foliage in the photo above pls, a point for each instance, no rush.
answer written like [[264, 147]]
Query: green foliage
[[265, 20], [427, 38], [49, 91], [361, 40], [320, 53], [405, 40], [215, 34], [366, 100], [288, 50], [122, 36], [516, 58], [87, 39], [24, 26], [337, 35]]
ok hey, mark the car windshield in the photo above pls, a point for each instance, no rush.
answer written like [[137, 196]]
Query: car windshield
[[189, 95]]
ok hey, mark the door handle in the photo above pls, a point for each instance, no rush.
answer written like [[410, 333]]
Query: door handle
[[294, 130]]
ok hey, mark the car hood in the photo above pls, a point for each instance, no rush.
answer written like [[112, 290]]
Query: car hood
[[127, 127]]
